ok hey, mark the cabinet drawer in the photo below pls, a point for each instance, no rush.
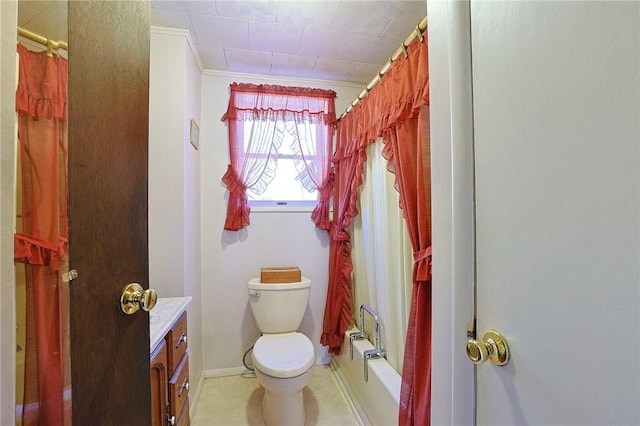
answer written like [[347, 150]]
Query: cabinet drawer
[[183, 419], [179, 387], [177, 342]]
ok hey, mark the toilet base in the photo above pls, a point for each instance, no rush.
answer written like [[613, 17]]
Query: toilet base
[[283, 409], [283, 402]]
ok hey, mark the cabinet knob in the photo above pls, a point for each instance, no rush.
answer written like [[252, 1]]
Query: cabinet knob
[[171, 420]]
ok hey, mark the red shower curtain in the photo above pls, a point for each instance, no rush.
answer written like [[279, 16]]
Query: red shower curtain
[[41, 244], [396, 109]]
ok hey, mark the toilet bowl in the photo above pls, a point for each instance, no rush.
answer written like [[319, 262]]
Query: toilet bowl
[[283, 365], [283, 358]]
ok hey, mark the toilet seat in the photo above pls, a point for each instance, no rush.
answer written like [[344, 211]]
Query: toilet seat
[[283, 355]]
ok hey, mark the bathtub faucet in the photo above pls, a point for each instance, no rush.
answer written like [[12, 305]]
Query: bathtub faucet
[[378, 352], [364, 308], [354, 335], [372, 354]]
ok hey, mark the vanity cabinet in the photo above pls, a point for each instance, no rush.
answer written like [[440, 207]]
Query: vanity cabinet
[[170, 377], [178, 359], [159, 385]]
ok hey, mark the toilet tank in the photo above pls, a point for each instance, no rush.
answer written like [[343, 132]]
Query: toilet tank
[[278, 308]]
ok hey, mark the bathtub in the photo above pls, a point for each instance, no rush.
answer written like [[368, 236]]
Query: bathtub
[[19, 408], [19, 384], [376, 400]]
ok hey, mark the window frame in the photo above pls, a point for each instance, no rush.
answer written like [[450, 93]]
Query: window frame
[[284, 205]]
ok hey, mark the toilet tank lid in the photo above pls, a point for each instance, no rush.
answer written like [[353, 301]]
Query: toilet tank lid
[[255, 284]]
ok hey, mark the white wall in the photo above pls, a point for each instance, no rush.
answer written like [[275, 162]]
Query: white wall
[[452, 399], [230, 259], [192, 209], [174, 178], [8, 22]]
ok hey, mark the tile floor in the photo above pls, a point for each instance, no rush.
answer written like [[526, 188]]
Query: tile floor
[[237, 401]]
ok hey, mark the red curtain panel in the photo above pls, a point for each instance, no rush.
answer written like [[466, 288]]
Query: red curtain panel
[[397, 110], [41, 243]]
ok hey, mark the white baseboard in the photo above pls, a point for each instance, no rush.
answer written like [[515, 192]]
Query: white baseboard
[[237, 371], [355, 407], [223, 372], [195, 396]]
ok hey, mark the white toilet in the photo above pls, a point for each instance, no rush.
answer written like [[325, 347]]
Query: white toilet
[[282, 357]]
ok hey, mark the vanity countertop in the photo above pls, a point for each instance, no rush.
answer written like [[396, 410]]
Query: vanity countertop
[[162, 317]]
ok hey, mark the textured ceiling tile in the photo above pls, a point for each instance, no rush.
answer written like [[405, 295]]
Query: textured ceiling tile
[[221, 32], [204, 7], [406, 20], [335, 69], [170, 5], [269, 36], [249, 61], [46, 18], [321, 42], [213, 58], [308, 13], [292, 65], [264, 10], [27, 10], [373, 50], [366, 72], [365, 17]]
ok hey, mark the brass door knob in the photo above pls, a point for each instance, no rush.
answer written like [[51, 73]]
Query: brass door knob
[[492, 346], [134, 297]]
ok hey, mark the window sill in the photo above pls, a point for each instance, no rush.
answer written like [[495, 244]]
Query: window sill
[[282, 209]]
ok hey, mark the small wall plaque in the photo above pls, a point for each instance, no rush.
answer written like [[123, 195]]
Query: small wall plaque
[[194, 135]]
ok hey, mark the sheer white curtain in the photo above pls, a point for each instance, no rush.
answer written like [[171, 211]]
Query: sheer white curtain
[[382, 256]]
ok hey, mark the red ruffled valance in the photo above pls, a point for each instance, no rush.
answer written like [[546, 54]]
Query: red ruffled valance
[[42, 85], [403, 91], [272, 102], [274, 89], [34, 251]]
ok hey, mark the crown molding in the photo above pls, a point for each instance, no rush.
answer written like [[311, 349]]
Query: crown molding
[[179, 32]]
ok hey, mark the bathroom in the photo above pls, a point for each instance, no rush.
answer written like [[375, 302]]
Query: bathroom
[[206, 251], [183, 246]]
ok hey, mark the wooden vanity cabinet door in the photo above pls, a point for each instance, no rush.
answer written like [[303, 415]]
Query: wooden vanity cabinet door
[[159, 385]]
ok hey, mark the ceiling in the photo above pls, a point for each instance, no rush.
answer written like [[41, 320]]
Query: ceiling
[[340, 40], [344, 40]]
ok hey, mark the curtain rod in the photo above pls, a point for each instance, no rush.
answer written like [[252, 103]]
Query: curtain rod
[[50, 44], [402, 50]]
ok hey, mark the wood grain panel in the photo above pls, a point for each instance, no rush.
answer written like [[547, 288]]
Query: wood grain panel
[[108, 156]]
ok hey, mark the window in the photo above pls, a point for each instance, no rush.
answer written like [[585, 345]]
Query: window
[[280, 144], [287, 186]]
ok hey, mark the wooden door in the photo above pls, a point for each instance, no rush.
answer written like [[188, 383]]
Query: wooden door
[[556, 107], [108, 142]]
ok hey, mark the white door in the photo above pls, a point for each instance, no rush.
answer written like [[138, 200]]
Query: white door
[[556, 111]]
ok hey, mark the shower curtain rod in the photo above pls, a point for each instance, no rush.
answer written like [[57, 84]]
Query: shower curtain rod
[[402, 50], [50, 44]]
